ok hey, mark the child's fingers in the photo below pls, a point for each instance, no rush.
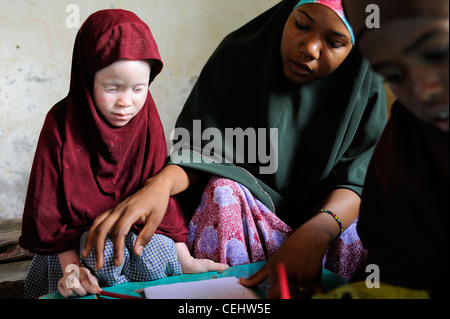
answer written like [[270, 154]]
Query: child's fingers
[[78, 289], [89, 282], [70, 286]]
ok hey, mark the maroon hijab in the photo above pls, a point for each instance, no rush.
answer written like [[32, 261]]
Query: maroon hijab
[[83, 166]]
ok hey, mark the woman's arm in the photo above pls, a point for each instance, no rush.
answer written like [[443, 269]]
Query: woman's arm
[[345, 204], [303, 252], [149, 204]]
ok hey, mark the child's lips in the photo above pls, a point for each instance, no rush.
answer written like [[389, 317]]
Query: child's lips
[[122, 115], [443, 115], [442, 120]]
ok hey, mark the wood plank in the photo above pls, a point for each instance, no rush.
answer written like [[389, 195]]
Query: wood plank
[[10, 224], [14, 271], [10, 230]]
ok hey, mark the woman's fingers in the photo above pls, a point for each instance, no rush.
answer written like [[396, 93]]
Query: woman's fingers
[[93, 234], [116, 222], [257, 277], [119, 230], [146, 234]]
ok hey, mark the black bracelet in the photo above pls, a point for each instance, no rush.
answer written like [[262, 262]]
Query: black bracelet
[[335, 218]]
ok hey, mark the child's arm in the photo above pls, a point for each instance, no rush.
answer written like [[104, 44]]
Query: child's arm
[[76, 280]]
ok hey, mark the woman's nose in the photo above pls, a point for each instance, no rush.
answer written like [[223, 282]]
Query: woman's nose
[[311, 47]]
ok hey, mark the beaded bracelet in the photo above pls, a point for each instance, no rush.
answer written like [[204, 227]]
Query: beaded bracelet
[[335, 217]]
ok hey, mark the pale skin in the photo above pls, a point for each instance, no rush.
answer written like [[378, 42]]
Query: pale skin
[[315, 42], [120, 91]]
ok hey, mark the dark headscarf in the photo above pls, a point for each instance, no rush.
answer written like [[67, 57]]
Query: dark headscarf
[[83, 166], [327, 129]]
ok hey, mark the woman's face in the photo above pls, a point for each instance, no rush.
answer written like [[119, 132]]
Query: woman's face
[[412, 55], [315, 42]]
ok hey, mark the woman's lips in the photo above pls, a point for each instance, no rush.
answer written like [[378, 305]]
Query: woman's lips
[[301, 68]]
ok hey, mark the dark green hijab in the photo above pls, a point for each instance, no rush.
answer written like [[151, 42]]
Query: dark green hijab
[[327, 129]]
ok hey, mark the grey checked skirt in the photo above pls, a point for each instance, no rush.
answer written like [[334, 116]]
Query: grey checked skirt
[[158, 260]]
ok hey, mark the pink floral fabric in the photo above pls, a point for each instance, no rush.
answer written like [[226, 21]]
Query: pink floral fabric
[[232, 226]]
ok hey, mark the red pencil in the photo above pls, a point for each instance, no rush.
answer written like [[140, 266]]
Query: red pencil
[[282, 278], [119, 296]]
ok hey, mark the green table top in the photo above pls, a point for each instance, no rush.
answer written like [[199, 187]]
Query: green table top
[[329, 281]]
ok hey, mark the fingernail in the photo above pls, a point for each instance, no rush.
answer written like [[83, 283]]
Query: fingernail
[[140, 250]]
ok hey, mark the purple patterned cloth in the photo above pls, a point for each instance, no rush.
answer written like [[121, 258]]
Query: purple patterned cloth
[[231, 226]]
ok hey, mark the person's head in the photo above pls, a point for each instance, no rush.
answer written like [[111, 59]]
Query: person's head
[[410, 49], [120, 90], [316, 40], [115, 59]]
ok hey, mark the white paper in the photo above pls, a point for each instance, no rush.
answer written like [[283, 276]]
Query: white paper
[[219, 288]]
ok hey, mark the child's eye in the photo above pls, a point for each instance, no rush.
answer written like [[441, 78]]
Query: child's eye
[[139, 88], [437, 55], [395, 76], [111, 88]]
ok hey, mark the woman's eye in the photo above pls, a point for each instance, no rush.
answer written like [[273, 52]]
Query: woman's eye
[[335, 44], [302, 27]]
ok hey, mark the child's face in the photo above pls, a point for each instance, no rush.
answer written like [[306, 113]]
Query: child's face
[[315, 42], [120, 90], [412, 55]]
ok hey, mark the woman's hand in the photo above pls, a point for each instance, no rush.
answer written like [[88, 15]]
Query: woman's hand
[[77, 281], [302, 254], [149, 205]]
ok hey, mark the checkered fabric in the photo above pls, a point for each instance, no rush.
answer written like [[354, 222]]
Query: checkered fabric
[[158, 260]]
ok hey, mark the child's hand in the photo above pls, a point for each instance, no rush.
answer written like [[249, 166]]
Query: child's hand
[[78, 281]]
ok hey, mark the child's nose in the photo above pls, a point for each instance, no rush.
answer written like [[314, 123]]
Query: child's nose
[[124, 100], [425, 87]]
